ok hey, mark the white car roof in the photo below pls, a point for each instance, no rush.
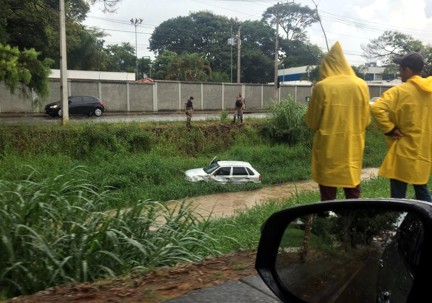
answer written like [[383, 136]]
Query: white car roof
[[234, 163]]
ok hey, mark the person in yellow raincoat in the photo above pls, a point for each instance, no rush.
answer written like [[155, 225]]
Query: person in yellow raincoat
[[404, 114], [339, 113]]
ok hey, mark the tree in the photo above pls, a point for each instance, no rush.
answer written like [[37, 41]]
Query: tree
[[257, 52], [189, 67], [293, 18], [24, 68], [299, 53], [208, 34], [29, 41], [87, 52], [121, 57], [144, 67], [201, 32], [389, 45], [392, 44]]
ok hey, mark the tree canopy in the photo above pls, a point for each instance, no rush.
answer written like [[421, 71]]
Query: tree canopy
[[23, 68], [29, 39], [392, 44], [292, 17]]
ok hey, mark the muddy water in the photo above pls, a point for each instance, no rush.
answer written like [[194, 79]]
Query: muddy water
[[227, 204]]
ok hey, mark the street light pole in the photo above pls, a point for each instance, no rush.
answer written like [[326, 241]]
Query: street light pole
[[136, 22]]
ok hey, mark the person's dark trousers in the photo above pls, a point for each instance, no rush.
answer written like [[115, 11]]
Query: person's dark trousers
[[398, 190], [329, 192]]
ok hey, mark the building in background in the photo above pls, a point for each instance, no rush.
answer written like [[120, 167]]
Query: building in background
[[372, 74]]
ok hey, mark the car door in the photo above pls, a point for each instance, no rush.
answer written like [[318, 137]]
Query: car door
[[75, 104], [239, 175], [222, 175]]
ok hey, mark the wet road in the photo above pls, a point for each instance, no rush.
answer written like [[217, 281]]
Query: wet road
[[227, 204], [113, 117]]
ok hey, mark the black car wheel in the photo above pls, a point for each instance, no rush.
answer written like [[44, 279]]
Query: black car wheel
[[60, 113]]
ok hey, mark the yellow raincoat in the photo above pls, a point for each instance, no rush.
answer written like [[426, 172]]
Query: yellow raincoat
[[407, 107], [339, 113]]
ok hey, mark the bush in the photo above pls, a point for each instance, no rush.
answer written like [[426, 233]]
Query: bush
[[286, 123], [223, 116]]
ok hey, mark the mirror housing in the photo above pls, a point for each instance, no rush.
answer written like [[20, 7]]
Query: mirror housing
[[376, 250]]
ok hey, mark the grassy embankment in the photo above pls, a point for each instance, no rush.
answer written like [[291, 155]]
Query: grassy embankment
[[62, 191]]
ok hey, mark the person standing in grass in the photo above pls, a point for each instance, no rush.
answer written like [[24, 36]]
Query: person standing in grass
[[188, 111], [404, 114], [240, 105], [338, 113]]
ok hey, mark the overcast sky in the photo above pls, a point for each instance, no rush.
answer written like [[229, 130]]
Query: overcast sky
[[351, 22]]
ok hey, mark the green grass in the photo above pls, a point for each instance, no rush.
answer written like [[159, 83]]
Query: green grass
[[80, 203]]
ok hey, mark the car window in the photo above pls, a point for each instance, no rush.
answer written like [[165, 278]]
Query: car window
[[211, 168], [75, 100], [239, 171], [250, 172], [88, 99], [223, 171]]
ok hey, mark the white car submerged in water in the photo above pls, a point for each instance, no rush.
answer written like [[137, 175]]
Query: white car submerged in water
[[236, 172]]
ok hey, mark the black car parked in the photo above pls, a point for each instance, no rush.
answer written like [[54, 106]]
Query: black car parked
[[78, 105]]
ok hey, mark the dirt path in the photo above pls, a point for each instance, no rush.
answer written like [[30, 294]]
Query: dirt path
[[226, 204]]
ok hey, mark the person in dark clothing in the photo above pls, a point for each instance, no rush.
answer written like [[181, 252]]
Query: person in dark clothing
[[240, 105], [188, 111]]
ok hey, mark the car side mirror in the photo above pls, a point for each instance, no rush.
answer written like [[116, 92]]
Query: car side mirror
[[359, 250]]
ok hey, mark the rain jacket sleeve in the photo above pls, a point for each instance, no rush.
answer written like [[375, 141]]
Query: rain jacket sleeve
[[339, 113]]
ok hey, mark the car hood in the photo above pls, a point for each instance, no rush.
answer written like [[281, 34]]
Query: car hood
[[53, 103], [195, 172]]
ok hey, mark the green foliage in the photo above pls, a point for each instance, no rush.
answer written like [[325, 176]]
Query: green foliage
[[121, 57], [87, 208], [217, 76], [389, 44], [375, 146], [54, 231], [292, 17], [79, 141], [24, 68], [188, 67], [286, 123], [223, 116]]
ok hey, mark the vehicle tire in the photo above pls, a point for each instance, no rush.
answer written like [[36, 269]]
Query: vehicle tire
[[60, 113], [98, 112]]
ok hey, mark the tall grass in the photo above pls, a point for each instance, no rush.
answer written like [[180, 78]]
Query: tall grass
[[79, 203], [54, 231]]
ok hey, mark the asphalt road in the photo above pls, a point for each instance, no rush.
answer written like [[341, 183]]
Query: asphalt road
[[112, 117]]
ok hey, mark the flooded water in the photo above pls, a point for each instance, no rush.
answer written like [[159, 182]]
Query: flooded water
[[227, 204]]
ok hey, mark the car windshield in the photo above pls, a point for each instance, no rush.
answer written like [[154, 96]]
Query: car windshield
[[212, 167]]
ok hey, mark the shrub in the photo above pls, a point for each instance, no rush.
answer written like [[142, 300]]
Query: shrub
[[286, 123], [223, 116]]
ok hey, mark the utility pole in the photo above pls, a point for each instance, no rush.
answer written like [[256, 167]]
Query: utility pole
[[136, 22], [63, 66], [231, 43], [276, 61], [238, 54], [151, 66]]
